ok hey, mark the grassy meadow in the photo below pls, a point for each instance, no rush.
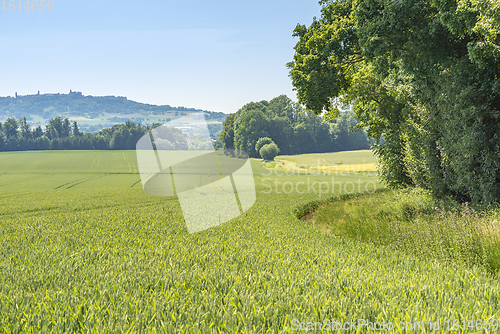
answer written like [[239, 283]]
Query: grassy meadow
[[84, 249]]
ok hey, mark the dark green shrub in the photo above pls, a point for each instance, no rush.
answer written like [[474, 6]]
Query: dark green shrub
[[261, 142], [269, 151]]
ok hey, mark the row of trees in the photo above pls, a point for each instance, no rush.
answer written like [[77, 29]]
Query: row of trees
[[423, 77], [293, 129], [60, 134], [289, 126]]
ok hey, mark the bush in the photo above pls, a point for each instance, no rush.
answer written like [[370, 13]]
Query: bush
[[261, 142], [269, 151]]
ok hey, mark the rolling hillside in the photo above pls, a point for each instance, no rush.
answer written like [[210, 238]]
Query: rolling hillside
[[91, 112]]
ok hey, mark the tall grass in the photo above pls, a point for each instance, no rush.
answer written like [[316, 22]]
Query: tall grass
[[413, 222]]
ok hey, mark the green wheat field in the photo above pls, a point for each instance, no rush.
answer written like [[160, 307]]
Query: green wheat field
[[84, 249]]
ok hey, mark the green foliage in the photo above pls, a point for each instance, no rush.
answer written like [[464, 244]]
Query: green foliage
[[124, 136], [58, 128], [76, 130], [249, 126], [261, 142], [269, 151], [422, 77], [42, 143], [344, 136], [294, 130], [59, 135], [227, 133]]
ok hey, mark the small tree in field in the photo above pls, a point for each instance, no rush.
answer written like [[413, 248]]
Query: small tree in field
[[269, 151], [261, 142]]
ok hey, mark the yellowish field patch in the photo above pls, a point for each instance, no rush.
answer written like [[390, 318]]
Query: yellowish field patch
[[286, 165], [326, 163]]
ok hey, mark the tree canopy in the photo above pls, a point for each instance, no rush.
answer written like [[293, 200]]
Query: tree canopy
[[293, 129], [422, 76], [17, 135], [269, 151]]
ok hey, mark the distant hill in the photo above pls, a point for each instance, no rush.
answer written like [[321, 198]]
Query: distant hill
[[91, 112]]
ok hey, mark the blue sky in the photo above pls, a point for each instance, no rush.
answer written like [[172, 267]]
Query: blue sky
[[214, 55]]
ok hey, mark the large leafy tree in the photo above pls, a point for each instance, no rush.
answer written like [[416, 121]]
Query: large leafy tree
[[250, 124], [345, 139], [10, 128], [227, 134], [422, 75]]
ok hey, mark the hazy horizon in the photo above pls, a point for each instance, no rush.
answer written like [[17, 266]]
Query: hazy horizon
[[214, 56]]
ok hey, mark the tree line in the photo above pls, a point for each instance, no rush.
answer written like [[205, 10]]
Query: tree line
[[286, 123], [423, 77], [61, 134], [293, 129]]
